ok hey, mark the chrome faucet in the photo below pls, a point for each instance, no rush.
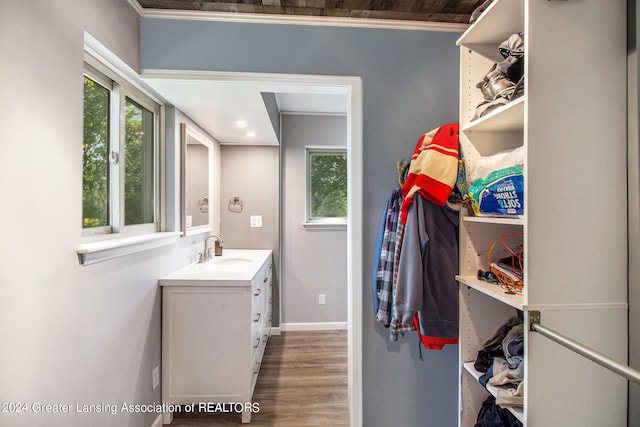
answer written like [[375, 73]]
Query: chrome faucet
[[218, 246]]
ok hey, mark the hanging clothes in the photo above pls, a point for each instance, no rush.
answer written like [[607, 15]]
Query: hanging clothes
[[426, 284], [434, 167], [387, 257], [414, 286]]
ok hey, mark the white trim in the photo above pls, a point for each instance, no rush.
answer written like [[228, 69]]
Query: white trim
[[354, 251], [275, 331], [123, 240], [285, 83], [93, 252], [325, 225], [296, 83], [136, 6], [186, 131], [158, 421], [332, 149], [104, 56], [309, 151], [312, 113], [326, 21], [314, 326]]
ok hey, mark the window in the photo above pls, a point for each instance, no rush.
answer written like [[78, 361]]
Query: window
[[139, 182], [120, 156], [326, 194], [95, 153]]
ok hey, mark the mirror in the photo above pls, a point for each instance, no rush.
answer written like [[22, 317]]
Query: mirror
[[195, 194]]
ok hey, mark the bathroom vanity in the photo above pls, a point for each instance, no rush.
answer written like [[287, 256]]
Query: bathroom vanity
[[216, 320]]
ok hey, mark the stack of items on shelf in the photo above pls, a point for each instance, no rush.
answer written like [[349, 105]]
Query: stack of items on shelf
[[416, 255], [499, 191], [496, 182], [501, 361], [491, 415], [508, 267], [505, 80]]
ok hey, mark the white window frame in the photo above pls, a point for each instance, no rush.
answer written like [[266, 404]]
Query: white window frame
[[120, 90], [107, 83], [117, 239], [323, 222]]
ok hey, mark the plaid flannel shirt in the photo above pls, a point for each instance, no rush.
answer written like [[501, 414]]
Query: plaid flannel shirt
[[387, 272]]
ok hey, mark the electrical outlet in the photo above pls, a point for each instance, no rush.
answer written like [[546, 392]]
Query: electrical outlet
[[256, 221], [155, 375], [321, 299]]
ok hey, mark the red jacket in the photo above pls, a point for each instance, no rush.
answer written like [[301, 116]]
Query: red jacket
[[434, 167]]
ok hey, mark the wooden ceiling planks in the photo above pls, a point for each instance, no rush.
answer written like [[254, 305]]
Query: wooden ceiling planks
[[451, 11]]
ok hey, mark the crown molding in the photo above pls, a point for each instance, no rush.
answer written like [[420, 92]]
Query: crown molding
[[327, 21], [136, 6]]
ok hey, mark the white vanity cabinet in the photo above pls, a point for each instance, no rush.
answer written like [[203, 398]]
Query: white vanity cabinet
[[216, 320], [570, 124]]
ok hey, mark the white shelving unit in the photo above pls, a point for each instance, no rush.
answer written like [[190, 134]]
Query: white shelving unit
[[571, 125]]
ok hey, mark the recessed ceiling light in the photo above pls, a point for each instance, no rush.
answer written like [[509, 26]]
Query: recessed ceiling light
[[241, 123], [250, 134]]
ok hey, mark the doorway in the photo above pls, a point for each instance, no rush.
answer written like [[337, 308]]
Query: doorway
[[352, 86]]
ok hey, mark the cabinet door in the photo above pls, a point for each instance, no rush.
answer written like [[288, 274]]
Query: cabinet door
[[207, 353]]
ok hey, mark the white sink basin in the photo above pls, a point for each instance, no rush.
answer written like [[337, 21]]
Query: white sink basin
[[236, 267]]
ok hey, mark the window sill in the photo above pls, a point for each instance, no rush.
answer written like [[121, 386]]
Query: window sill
[[93, 252], [325, 225]]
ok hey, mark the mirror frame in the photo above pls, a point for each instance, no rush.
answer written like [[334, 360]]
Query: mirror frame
[[187, 131]]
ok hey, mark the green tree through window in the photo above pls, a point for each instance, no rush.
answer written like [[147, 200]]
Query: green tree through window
[[327, 184], [120, 168], [95, 153], [139, 170]]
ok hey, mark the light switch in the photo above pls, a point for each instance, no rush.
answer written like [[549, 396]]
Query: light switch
[[256, 221]]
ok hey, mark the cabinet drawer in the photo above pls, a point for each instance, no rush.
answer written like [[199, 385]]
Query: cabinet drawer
[[259, 337], [258, 352], [258, 298]]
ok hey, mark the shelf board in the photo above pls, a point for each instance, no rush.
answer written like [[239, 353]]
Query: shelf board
[[515, 220], [509, 117], [493, 291], [517, 411], [501, 19]]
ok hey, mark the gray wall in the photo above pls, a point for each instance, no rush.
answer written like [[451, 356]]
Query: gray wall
[[252, 173], [410, 86], [314, 260]]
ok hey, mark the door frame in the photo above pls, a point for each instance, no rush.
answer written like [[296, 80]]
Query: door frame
[[353, 86]]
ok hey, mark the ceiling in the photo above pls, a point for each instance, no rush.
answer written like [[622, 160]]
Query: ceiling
[[452, 11], [234, 112]]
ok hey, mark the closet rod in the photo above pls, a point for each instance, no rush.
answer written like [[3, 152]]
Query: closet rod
[[597, 357]]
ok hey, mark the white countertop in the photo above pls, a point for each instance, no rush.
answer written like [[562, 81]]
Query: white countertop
[[236, 267]]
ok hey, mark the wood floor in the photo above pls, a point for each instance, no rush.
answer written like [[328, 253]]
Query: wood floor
[[302, 383]]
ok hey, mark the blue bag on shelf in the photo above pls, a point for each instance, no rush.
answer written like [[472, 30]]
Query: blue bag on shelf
[[499, 193]]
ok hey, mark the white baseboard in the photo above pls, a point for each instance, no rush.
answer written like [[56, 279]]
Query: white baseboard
[[158, 421], [316, 326]]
